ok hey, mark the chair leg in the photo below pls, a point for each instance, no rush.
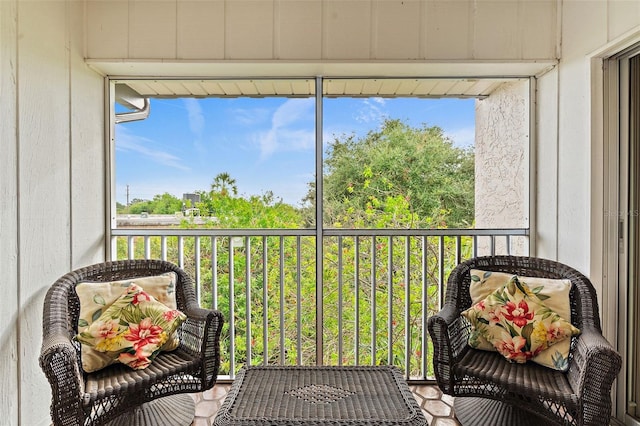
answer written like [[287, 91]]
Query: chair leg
[[174, 410], [473, 411]]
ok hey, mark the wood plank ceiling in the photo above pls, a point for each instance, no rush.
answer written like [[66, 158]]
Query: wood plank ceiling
[[305, 87]]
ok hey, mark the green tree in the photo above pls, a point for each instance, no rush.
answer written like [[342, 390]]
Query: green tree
[[253, 212], [166, 204], [138, 206], [161, 204], [223, 182], [399, 176]]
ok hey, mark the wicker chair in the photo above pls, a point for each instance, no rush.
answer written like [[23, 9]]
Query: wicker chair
[[498, 392], [119, 394]]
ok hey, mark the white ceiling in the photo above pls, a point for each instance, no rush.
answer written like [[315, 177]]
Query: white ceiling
[[277, 78], [292, 87], [264, 69]]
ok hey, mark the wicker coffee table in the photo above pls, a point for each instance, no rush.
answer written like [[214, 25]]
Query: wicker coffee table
[[320, 396]]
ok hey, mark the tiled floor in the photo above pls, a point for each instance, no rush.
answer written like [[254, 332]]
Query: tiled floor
[[436, 407]]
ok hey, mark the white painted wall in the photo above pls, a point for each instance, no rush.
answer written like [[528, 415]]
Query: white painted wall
[[51, 183], [565, 100], [8, 215], [570, 156], [546, 166], [571, 98], [314, 30]]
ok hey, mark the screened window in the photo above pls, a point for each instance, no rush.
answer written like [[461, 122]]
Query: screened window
[[391, 153]]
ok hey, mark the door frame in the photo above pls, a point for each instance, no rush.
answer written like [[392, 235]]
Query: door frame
[[610, 201]]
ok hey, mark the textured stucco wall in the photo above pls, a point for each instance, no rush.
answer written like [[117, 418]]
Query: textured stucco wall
[[502, 163]]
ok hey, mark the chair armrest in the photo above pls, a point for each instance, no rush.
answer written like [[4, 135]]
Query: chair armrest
[[197, 329], [60, 363], [594, 367], [200, 336], [449, 333], [199, 314]]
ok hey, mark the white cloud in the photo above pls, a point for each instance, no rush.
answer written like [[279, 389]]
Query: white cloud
[[268, 142], [196, 122], [290, 188], [250, 117], [196, 118], [283, 136], [463, 137], [372, 111], [292, 111], [125, 141]]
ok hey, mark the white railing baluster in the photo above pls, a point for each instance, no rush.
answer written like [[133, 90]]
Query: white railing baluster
[[356, 286], [214, 272], [131, 247], [407, 306], [232, 310], [340, 289], [247, 302], [441, 277], [181, 251], [425, 307], [197, 273], [283, 353], [390, 327], [265, 303], [299, 300], [147, 247], [374, 314]]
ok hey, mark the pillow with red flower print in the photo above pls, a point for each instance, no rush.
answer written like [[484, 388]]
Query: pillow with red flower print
[[96, 297], [133, 329], [553, 292], [517, 323]]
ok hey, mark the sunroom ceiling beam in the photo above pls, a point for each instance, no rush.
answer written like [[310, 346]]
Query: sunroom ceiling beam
[[270, 78], [332, 87]]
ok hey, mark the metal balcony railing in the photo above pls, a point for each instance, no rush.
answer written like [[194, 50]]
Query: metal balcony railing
[[368, 304]]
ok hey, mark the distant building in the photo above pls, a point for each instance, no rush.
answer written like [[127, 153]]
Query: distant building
[[193, 198]]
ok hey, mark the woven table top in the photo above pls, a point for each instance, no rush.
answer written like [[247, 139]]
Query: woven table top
[[320, 396]]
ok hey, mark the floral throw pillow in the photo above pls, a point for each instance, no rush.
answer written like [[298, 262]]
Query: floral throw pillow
[[517, 323], [96, 297], [133, 329], [553, 292]]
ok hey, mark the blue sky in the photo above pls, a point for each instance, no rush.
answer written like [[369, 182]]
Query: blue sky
[[263, 143]]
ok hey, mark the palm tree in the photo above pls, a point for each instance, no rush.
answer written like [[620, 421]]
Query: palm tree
[[223, 182]]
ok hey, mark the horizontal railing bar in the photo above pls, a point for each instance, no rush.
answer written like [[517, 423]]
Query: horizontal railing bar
[[129, 232], [426, 232], [208, 232]]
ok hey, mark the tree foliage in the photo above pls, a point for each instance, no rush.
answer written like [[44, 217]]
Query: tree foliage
[[223, 183], [398, 177], [257, 211], [161, 204]]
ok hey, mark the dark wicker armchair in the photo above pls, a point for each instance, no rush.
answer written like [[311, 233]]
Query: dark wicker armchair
[[498, 392], [118, 393]]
